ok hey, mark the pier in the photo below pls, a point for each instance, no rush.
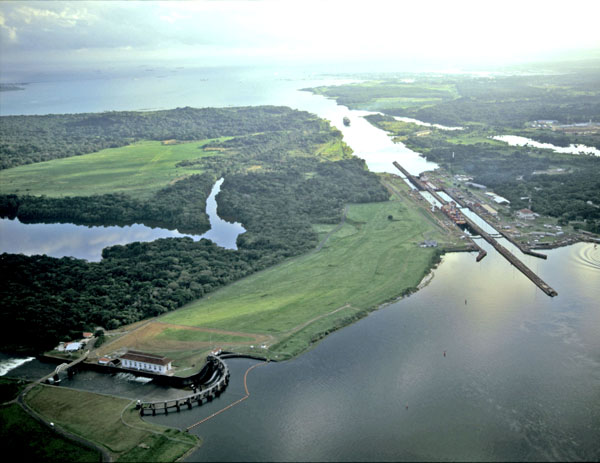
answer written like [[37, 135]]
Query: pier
[[501, 249]]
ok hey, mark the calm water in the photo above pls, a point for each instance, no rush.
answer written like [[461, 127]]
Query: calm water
[[521, 375], [221, 232], [515, 140], [520, 379], [59, 240]]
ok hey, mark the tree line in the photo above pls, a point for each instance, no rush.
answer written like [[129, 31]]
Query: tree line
[[274, 185]]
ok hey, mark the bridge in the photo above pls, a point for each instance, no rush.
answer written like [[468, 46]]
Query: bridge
[[501, 249]]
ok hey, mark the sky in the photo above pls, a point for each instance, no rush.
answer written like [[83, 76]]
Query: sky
[[63, 34]]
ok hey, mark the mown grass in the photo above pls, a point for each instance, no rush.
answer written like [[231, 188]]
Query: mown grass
[[25, 439], [139, 170], [97, 418], [187, 335], [370, 260]]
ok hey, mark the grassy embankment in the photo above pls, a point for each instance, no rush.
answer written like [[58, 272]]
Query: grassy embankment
[[110, 422], [370, 260], [26, 439], [22, 435]]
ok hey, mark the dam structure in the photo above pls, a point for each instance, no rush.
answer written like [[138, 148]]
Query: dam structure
[[201, 394], [490, 239]]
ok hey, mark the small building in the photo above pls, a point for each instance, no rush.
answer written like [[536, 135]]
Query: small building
[[104, 360], [73, 346], [147, 362], [489, 210], [527, 214], [87, 335]]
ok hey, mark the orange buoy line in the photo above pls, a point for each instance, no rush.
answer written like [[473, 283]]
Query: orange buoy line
[[232, 404]]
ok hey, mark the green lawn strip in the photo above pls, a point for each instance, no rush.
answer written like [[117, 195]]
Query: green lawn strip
[[26, 439], [97, 418], [370, 260], [139, 170], [182, 334]]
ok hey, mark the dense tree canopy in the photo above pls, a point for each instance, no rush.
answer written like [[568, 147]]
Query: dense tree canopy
[[275, 185]]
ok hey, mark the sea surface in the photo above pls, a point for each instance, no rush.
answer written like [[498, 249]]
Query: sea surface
[[478, 365]]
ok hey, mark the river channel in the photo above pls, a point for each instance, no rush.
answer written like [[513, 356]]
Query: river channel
[[478, 365], [65, 239]]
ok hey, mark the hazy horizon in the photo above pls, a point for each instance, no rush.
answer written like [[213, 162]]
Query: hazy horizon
[[48, 37]]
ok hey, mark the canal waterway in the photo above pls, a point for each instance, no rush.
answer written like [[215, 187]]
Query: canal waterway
[[478, 365]]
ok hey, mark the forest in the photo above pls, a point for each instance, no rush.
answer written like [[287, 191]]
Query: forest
[[498, 102], [29, 139], [276, 184]]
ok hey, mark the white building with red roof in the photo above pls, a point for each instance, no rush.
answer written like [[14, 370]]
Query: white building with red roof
[[153, 363]]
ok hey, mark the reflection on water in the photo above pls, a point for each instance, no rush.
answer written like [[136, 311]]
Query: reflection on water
[[520, 379], [60, 240], [426, 124], [515, 140], [222, 233]]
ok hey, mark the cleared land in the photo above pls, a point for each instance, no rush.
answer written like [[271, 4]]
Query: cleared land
[[371, 259], [138, 170], [110, 422]]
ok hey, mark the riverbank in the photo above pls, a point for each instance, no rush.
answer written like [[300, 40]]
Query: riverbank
[[373, 258]]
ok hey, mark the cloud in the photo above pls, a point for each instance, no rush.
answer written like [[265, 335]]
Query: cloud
[[65, 16], [8, 31], [292, 29]]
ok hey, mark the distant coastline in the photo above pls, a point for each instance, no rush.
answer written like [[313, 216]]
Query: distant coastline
[[11, 87]]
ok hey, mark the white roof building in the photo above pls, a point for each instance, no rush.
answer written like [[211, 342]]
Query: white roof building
[[147, 362], [526, 214], [73, 346]]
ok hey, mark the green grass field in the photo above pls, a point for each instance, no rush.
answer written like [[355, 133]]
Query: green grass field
[[187, 335], [138, 170], [24, 439], [97, 418], [369, 261]]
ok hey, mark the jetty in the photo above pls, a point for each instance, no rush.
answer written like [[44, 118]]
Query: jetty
[[477, 229]]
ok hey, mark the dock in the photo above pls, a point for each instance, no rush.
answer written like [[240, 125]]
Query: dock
[[501, 249]]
